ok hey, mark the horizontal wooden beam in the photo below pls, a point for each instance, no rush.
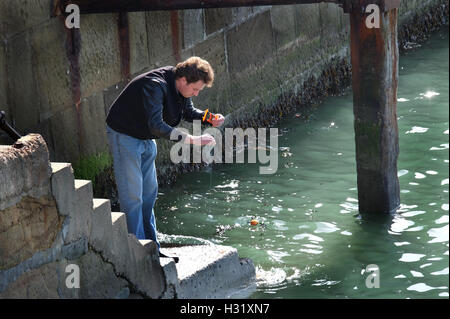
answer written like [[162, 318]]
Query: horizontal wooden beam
[[107, 6], [360, 5]]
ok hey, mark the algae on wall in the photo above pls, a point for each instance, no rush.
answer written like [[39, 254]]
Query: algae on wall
[[99, 169]]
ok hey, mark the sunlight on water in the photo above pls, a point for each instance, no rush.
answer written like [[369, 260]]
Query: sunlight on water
[[307, 239]]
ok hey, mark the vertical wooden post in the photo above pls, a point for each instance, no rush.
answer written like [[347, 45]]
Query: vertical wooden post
[[374, 56]]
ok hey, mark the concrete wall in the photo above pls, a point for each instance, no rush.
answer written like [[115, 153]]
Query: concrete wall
[[3, 79], [60, 83]]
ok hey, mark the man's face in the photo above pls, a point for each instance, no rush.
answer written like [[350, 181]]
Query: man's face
[[189, 89]]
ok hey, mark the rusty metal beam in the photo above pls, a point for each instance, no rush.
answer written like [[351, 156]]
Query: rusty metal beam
[[374, 56], [106, 6]]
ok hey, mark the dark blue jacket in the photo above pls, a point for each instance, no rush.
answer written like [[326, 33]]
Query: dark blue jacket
[[150, 106]]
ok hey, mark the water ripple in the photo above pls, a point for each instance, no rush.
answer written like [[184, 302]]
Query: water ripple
[[409, 257], [441, 272], [323, 227], [422, 287], [310, 237], [440, 234], [417, 129]]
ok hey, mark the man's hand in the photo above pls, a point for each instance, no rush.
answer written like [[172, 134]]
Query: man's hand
[[217, 120], [200, 140]]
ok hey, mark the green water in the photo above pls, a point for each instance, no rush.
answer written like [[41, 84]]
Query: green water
[[310, 242]]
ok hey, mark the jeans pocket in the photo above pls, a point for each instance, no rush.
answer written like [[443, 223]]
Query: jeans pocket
[[130, 144]]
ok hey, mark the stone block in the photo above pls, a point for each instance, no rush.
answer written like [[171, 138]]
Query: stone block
[[283, 24], [43, 128], [296, 62], [19, 15], [93, 125], [251, 63], [213, 50], [29, 226], [331, 19], [65, 126], [22, 86], [257, 87], [100, 54], [240, 14], [139, 55], [250, 44], [193, 27], [216, 19], [186, 53], [307, 21], [159, 41], [51, 70]]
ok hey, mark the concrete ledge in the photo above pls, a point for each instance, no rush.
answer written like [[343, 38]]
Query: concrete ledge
[[210, 271], [24, 170], [171, 278]]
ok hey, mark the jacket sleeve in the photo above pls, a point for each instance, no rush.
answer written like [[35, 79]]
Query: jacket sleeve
[[153, 97], [191, 113]]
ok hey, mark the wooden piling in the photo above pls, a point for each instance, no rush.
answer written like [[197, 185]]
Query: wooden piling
[[374, 55]]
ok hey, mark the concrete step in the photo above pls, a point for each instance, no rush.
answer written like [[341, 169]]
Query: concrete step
[[73, 199], [144, 269], [211, 271], [63, 187], [81, 213], [170, 273], [120, 249], [101, 229]]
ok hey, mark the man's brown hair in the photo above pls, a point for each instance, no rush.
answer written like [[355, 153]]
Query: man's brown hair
[[195, 69]]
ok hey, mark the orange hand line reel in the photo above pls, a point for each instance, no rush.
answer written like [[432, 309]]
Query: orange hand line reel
[[211, 116]]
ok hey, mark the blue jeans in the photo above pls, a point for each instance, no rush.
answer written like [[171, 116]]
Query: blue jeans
[[137, 185]]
